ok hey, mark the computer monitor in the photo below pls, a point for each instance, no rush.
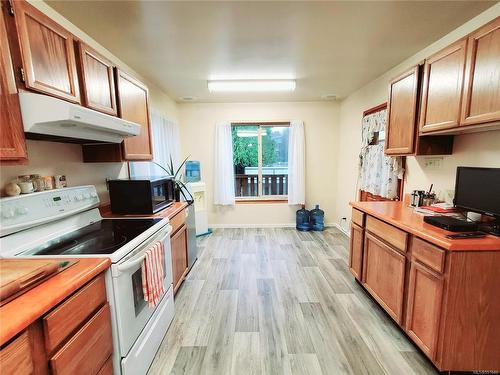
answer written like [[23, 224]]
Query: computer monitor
[[478, 190]]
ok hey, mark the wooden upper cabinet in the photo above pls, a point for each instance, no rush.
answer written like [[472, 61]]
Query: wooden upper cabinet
[[48, 53], [442, 88], [133, 106], [97, 79], [481, 99], [402, 113], [12, 144]]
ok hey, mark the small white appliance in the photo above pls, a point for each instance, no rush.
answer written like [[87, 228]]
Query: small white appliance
[[49, 116], [198, 191], [67, 223]]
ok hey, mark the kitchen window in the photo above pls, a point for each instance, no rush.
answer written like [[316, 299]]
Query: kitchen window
[[260, 159]]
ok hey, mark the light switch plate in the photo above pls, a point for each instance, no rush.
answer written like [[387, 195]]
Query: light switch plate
[[433, 163]]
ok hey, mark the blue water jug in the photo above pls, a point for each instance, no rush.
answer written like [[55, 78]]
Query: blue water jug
[[302, 219], [317, 219], [193, 171]]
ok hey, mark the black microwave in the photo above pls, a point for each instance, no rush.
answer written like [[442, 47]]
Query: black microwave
[[141, 195]]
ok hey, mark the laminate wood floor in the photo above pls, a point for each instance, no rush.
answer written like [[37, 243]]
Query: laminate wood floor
[[278, 301]]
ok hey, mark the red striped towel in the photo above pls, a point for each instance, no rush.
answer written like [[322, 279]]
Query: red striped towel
[[153, 274]]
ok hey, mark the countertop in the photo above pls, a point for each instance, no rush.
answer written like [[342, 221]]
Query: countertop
[[169, 212], [19, 313], [403, 217]]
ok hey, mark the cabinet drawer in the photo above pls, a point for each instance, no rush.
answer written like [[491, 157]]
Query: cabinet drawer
[[358, 217], [70, 315], [87, 351], [16, 358], [387, 232], [428, 254], [178, 221]]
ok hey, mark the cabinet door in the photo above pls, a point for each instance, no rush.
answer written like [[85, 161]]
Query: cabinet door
[[48, 53], [356, 251], [442, 88], [133, 106], [481, 99], [98, 82], [384, 275], [425, 293], [16, 358], [12, 144], [402, 113], [179, 256]]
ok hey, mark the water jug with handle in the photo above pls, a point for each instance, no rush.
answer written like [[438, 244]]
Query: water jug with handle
[[317, 219]]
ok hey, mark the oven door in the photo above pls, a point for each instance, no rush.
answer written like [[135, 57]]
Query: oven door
[[162, 194], [132, 312]]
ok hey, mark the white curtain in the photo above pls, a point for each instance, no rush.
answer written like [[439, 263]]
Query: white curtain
[[296, 164], [224, 168], [166, 142], [378, 173]]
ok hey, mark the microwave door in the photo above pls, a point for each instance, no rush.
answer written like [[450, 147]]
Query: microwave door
[[160, 196]]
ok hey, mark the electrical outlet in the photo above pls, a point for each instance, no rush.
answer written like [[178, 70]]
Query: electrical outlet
[[433, 163]]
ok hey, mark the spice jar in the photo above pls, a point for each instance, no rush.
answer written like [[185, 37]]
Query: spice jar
[[38, 182], [25, 184], [60, 181], [49, 182]]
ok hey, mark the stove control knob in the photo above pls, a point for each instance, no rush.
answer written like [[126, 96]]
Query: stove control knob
[[22, 210], [8, 213], [87, 196], [79, 197], [93, 194]]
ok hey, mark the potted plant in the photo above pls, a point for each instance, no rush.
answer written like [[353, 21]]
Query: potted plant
[[179, 185]]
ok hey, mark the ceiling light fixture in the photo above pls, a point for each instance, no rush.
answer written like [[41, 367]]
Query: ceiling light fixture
[[251, 85]]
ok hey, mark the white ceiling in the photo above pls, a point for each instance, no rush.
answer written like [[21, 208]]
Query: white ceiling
[[329, 47]]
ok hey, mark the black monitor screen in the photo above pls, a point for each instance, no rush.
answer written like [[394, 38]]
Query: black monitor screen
[[478, 190]]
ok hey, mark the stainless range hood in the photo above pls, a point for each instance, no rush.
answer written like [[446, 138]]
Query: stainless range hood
[[47, 116]]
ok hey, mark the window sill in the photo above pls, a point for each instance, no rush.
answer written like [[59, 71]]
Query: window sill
[[261, 201]]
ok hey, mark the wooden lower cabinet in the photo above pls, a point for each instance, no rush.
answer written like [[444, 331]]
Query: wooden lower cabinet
[[356, 251], [16, 357], [384, 275], [425, 293], [87, 351], [179, 246], [73, 338], [447, 301]]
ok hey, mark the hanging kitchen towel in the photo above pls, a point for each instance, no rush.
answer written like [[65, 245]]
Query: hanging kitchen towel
[[153, 274]]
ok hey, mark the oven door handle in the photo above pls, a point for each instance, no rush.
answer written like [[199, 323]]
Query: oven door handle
[[140, 258]]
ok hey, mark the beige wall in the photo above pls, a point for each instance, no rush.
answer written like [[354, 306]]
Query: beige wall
[[49, 158], [321, 132], [482, 149]]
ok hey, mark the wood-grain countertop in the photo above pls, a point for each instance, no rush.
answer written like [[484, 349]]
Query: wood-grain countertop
[[403, 217], [168, 212], [19, 313]]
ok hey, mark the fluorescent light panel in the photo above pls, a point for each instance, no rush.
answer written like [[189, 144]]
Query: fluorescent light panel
[[250, 85]]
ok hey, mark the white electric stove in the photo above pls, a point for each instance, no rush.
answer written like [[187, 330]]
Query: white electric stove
[[67, 223]]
